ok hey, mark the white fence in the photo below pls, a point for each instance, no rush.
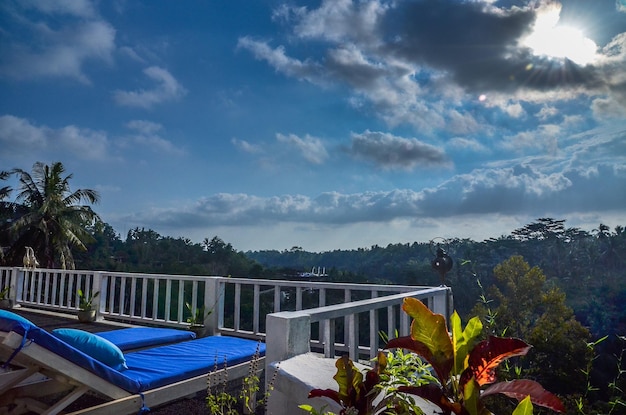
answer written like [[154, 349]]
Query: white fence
[[300, 314]]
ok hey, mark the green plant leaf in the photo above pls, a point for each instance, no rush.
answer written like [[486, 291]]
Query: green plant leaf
[[471, 396], [430, 330], [463, 340], [521, 388], [525, 407], [487, 355], [349, 379], [441, 369]]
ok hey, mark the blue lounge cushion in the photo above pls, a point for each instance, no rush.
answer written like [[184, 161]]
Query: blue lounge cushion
[[8, 320], [94, 346], [140, 337]]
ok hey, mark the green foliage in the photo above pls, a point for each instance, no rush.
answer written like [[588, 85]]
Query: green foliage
[[524, 305], [197, 316], [47, 216], [85, 301], [4, 294], [463, 365], [221, 401], [464, 371]]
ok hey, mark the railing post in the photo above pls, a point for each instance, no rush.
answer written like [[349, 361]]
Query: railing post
[[213, 301], [442, 303], [16, 283], [96, 286], [288, 335]]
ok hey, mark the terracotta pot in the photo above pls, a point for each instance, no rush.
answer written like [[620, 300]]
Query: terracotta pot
[[6, 304], [86, 316]]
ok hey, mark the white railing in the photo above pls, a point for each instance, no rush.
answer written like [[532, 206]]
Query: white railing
[[289, 333], [239, 306]]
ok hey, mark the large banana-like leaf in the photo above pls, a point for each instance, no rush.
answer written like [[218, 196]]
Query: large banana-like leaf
[[519, 389], [487, 355], [430, 329], [463, 340]]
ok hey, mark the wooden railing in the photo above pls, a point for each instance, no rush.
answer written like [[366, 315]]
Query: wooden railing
[[330, 314]]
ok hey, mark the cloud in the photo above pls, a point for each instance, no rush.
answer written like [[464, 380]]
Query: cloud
[[19, 137], [77, 8], [391, 152], [311, 148], [277, 58], [403, 60], [246, 146], [146, 135], [460, 143], [167, 89], [517, 190], [59, 52]]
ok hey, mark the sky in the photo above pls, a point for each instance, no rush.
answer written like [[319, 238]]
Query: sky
[[324, 125]]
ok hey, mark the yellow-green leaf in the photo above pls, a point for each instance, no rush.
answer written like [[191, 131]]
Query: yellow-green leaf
[[525, 407], [463, 341], [471, 394]]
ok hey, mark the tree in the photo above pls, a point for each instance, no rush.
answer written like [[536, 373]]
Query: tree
[[50, 218], [525, 307]]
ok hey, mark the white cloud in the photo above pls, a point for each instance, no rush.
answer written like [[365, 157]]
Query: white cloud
[[167, 89], [517, 190], [280, 61], [78, 8], [21, 138], [144, 127], [146, 135], [60, 53], [461, 143], [246, 146], [311, 148]]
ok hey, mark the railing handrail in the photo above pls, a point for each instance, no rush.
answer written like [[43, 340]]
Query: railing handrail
[[289, 332], [341, 310]]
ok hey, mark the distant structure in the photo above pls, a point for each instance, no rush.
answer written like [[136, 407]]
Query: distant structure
[[316, 272]]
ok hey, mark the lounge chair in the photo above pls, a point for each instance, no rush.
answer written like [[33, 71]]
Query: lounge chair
[[154, 376]]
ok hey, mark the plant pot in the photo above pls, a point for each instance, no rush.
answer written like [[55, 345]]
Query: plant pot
[[198, 329], [86, 316], [6, 304]]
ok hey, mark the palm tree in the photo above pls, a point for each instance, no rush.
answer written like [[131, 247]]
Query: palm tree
[[5, 215], [50, 219]]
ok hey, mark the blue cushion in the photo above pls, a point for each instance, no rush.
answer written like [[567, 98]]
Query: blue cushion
[[9, 320], [139, 337], [94, 346]]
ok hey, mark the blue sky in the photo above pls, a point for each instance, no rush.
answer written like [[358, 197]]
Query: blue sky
[[323, 124]]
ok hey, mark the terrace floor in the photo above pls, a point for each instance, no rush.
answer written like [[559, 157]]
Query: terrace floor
[[53, 320]]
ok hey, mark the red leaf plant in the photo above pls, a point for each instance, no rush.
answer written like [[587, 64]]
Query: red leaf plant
[[463, 365]]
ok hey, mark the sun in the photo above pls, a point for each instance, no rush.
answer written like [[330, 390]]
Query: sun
[[550, 39]]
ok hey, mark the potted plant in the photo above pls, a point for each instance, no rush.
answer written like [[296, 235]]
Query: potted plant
[[86, 312], [5, 301], [196, 319]]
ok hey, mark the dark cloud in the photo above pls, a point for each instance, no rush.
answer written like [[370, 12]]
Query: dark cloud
[[477, 46], [391, 152]]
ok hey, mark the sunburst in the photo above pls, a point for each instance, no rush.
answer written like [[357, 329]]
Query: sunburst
[[553, 40]]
